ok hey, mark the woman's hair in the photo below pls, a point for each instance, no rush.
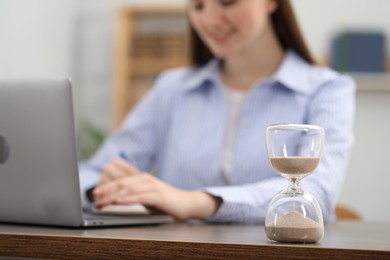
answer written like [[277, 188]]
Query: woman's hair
[[286, 28]]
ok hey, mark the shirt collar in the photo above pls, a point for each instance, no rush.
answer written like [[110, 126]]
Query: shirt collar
[[199, 76], [294, 73]]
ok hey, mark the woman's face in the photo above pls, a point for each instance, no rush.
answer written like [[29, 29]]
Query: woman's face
[[229, 27]]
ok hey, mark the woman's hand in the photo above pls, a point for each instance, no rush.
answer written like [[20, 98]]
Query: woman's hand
[[122, 183], [116, 169]]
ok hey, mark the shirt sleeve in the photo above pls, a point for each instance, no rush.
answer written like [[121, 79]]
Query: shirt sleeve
[[245, 204], [136, 137], [331, 106]]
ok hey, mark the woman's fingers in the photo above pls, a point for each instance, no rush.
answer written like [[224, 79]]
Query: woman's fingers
[[116, 169], [150, 192], [127, 186], [148, 199], [125, 166], [109, 172]]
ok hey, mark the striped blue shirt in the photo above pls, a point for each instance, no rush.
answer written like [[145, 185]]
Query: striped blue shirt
[[178, 129]]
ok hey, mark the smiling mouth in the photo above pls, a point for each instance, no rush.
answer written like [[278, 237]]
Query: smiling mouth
[[220, 36]]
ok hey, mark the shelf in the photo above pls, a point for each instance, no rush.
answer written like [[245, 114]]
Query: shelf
[[152, 67], [147, 41], [371, 81]]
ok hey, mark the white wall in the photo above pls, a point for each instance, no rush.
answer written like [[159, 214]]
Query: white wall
[[73, 37], [320, 19], [36, 37], [368, 176]]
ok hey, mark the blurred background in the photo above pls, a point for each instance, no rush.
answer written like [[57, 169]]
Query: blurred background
[[114, 49]]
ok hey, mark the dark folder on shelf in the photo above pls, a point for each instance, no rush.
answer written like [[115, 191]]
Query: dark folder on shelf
[[359, 52]]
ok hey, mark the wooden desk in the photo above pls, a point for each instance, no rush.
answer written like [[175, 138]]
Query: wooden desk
[[344, 240]]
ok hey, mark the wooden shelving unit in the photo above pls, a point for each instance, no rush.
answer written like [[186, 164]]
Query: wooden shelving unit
[[147, 41]]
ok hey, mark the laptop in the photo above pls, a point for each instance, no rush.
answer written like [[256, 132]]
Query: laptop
[[39, 178]]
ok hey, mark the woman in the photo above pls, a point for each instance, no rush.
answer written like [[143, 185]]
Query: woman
[[203, 127]]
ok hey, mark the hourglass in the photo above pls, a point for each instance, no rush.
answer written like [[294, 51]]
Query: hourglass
[[294, 215]]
